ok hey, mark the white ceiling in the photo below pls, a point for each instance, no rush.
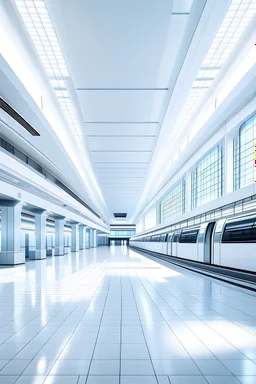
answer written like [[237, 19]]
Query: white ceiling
[[120, 55]]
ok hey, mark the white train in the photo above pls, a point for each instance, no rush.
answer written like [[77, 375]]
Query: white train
[[225, 242]]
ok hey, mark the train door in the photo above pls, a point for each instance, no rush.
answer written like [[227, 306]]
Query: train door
[[169, 244], [164, 244], [208, 243], [175, 241], [216, 259]]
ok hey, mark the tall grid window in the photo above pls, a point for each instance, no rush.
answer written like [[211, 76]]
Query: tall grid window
[[244, 170], [207, 178], [173, 204]]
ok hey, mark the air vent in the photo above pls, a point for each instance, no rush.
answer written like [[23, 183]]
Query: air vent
[[27, 216], [120, 215], [17, 117]]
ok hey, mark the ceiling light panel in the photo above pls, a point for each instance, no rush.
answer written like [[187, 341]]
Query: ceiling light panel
[[38, 23], [237, 18], [36, 18]]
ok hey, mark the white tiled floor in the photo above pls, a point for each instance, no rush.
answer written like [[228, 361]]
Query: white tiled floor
[[112, 316]]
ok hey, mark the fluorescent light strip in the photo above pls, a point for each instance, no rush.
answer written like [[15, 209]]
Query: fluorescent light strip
[[39, 26], [238, 16]]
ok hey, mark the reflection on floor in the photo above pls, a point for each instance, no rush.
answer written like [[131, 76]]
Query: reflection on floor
[[110, 315]]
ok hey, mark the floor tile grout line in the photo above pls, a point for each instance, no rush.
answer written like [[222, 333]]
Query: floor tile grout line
[[50, 338], [55, 282], [121, 328], [102, 273], [159, 299], [89, 368], [142, 328], [63, 307], [47, 342], [231, 374], [13, 358], [202, 322], [165, 319], [220, 283]]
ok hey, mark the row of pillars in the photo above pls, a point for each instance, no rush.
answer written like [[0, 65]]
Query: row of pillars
[[11, 253]]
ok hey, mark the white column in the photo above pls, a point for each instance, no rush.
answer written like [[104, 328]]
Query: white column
[[59, 235], [158, 213], [95, 238], [229, 163], [91, 238], [40, 227], [87, 238], [49, 245], [11, 253], [188, 191], [74, 237], [81, 236]]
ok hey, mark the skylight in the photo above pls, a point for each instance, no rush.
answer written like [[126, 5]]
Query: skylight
[[39, 26], [237, 18]]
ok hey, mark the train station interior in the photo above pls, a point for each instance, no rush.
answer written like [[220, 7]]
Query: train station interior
[[127, 191]]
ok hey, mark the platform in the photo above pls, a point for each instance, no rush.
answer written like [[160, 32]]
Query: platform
[[109, 315]]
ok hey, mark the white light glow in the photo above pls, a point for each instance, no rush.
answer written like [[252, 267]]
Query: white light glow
[[12, 56], [39, 26], [238, 16], [42, 33], [237, 75], [240, 13]]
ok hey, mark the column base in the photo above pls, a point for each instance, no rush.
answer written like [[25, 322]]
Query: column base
[[37, 254], [66, 249], [59, 251], [49, 252], [75, 249], [11, 258]]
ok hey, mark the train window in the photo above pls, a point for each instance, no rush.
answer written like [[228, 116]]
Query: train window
[[243, 231], [176, 237], [189, 236], [169, 239], [163, 238]]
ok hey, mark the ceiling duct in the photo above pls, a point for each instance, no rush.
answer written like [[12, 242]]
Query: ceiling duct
[[120, 215], [17, 117]]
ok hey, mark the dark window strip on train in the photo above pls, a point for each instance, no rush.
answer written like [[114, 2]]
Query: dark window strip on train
[[242, 231], [239, 231], [189, 236]]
